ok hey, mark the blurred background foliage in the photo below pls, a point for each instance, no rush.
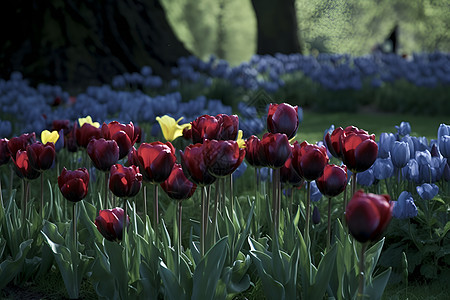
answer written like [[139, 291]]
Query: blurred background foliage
[[227, 28]]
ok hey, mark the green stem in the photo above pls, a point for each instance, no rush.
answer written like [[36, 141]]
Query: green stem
[[179, 240], [42, 195], [308, 204], [25, 188], [11, 181], [353, 184], [156, 204], [1, 195], [144, 193], [345, 206], [125, 242], [74, 227], [105, 200], [216, 208], [361, 272], [231, 193], [203, 221], [329, 224]]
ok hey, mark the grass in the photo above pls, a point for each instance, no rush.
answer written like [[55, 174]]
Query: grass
[[314, 124]]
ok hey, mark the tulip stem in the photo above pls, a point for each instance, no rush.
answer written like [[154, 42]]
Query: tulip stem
[[42, 195], [329, 224], [1, 196], [361, 272], [25, 188], [11, 178], [144, 193], [203, 221], [308, 204], [216, 208], [353, 185], [155, 202], [231, 194], [105, 201], [74, 226], [179, 240], [344, 206], [125, 240]]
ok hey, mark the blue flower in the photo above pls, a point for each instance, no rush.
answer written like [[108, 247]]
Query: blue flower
[[404, 207], [400, 154], [240, 170], [410, 142], [315, 215], [427, 191], [383, 168], [444, 146], [385, 144], [404, 128], [365, 178], [411, 171], [314, 192], [5, 129]]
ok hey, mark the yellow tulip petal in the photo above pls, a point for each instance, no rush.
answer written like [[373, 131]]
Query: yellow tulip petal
[[170, 128], [240, 140], [88, 120], [47, 136]]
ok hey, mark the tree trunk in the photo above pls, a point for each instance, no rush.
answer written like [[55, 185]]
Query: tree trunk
[[277, 26], [78, 43]]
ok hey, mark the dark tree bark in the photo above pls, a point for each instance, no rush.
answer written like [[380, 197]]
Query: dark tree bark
[[277, 26], [77, 43]]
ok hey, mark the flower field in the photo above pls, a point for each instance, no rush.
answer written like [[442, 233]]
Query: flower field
[[147, 188]]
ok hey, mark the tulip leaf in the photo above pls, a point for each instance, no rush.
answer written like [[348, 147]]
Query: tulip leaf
[[172, 287], [324, 271], [10, 267], [101, 276], [208, 271], [376, 289], [114, 251], [273, 289]]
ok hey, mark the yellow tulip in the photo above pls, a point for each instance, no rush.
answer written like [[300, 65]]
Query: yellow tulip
[[88, 120], [240, 140], [170, 128], [47, 136]]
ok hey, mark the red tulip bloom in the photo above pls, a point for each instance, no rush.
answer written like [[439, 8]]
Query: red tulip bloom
[[359, 151], [333, 180], [41, 156], [125, 182], [110, 223], [276, 150], [74, 184], [103, 153], [283, 118], [123, 134], [156, 160], [132, 158], [334, 140], [194, 165], [254, 153], [368, 215], [86, 133], [309, 160], [20, 143], [289, 175], [4, 152], [177, 186], [23, 166], [204, 127], [222, 157], [58, 125], [228, 127]]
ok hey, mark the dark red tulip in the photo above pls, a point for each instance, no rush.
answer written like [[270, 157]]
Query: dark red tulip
[[41, 156], [74, 184], [103, 153], [4, 152], [123, 134], [137, 134], [228, 127], [156, 160], [368, 215], [276, 149], [333, 180], [58, 125], [177, 186], [222, 158], [125, 182], [288, 175], [359, 151], [309, 160], [187, 133], [283, 118], [254, 153], [132, 158], [110, 223], [23, 166], [86, 133], [20, 143], [204, 127], [194, 165], [333, 140]]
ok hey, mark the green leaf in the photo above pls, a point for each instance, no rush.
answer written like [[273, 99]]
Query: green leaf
[[10, 267], [273, 289], [324, 271], [172, 288], [376, 289], [208, 271]]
